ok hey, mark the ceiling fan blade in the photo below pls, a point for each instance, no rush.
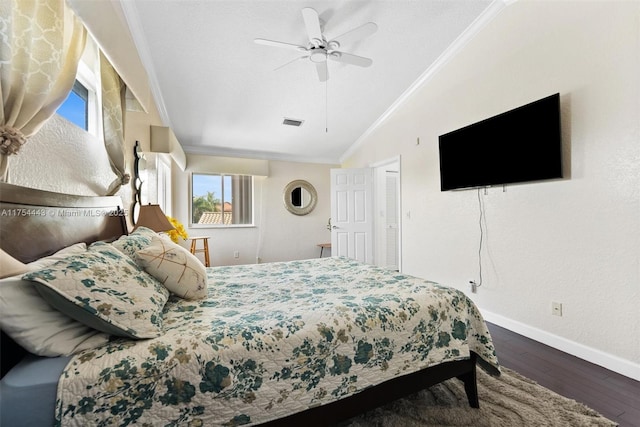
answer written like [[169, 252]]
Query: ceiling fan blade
[[274, 43], [348, 58], [358, 33], [291, 62], [312, 24], [323, 72]]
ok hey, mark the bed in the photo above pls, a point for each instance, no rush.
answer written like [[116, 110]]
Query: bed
[[290, 343]]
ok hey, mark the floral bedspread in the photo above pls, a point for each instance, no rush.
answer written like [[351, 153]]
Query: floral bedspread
[[270, 340]]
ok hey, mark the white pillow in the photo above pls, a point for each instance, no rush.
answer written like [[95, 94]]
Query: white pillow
[[39, 328], [9, 266], [175, 267]]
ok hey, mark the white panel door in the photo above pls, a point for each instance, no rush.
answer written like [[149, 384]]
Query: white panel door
[[351, 214]]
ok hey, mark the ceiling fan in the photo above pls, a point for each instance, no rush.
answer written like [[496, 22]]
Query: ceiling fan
[[319, 49]]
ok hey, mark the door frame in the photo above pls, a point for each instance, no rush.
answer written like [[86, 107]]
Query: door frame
[[378, 227]]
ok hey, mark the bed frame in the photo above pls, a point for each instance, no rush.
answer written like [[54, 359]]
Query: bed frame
[[36, 223], [370, 398]]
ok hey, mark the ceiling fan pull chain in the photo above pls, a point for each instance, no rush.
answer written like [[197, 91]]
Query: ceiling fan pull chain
[[326, 103]]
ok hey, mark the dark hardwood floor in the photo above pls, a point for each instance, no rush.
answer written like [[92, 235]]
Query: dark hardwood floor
[[613, 395]]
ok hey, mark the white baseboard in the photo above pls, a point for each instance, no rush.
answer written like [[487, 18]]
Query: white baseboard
[[598, 357]]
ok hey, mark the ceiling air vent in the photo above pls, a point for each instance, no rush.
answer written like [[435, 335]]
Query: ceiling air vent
[[292, 122]]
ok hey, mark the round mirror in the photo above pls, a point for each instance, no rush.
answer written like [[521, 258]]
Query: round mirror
[[299, 197]]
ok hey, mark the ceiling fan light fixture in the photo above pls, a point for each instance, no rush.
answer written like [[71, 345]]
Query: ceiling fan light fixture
[[292, 122], [318, 56]]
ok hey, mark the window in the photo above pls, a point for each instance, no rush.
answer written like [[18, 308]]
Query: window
[[221, 200], [83, 106], [163, 166], [76, 107]]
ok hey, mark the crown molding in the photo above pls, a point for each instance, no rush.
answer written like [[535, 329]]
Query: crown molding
[[132, 17], [458, 44]]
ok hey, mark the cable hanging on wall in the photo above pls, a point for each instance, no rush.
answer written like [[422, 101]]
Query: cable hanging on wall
[[480, 221]]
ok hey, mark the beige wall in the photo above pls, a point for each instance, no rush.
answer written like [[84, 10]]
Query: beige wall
[[277, 235], [573, 241], [138, 128], [287, 236]]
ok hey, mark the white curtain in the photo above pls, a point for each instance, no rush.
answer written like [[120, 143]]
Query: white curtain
[[40, 46]]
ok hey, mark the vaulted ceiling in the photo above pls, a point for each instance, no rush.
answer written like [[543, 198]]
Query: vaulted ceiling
[[221, 93]]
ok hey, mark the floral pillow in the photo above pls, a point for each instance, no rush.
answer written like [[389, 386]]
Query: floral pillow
[[140, 238], [175, 267], [105, 290]]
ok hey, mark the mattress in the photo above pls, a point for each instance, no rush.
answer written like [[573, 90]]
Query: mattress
[[28, 391], [271, 340]]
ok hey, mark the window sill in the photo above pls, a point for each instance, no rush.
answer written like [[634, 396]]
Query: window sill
[[221, 227]]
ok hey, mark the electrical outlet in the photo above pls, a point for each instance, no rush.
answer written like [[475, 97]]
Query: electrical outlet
[[236, 254], [556, 308]]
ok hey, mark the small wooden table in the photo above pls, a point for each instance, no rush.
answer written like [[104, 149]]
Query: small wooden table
[[322, 246], [205, 249]]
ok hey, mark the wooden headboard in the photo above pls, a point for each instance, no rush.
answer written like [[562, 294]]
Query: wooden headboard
[[36, 223]]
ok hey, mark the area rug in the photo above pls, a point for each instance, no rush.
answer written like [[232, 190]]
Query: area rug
[[509, 400]]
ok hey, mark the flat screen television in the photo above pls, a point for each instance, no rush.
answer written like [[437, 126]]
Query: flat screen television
[[520, 145]]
